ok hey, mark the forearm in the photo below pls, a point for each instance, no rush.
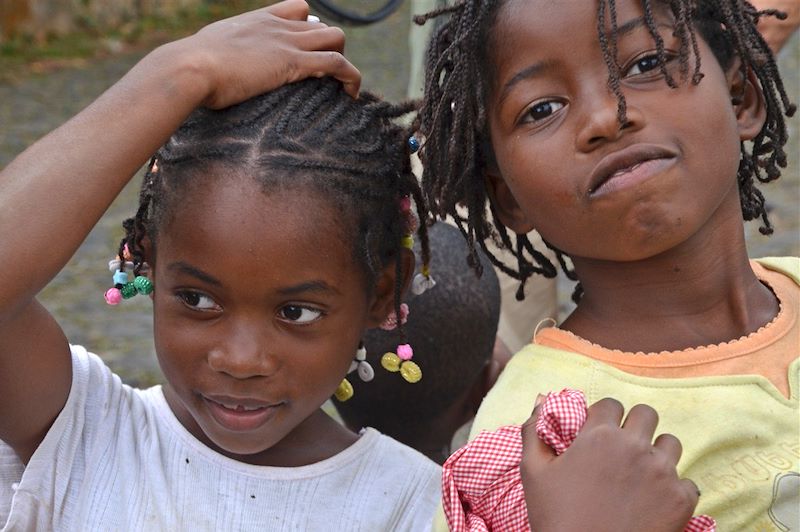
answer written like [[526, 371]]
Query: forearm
[[52, 194], [775, 31]]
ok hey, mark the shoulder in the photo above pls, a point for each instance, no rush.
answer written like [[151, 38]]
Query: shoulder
[[85, 437], [788, 266], [536, 369]]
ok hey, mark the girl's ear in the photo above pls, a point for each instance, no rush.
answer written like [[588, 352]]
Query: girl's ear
[[383, 296], [505, 204], [747, 100]]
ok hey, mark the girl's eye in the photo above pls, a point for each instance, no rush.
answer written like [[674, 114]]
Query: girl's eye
[[644, 65], [542, 110], [197, 301], [298, 314]]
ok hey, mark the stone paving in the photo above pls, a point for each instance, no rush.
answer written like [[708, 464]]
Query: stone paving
[[123, 334]]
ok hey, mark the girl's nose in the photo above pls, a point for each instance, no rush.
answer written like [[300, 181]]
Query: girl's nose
[[244, 353], [600, 122]]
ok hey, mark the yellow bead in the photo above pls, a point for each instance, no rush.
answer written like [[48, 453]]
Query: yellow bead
[[344, 391], [407, 242], [411, 372], [390, 362]]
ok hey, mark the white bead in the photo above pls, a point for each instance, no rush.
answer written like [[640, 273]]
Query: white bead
[[113, 265], [365, 371], [421, 283], [353, 366], [361, 354]]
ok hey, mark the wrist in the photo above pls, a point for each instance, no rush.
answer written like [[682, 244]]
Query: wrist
[[183, 72]]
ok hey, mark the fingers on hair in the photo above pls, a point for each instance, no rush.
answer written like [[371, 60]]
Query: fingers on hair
[[306, 134]]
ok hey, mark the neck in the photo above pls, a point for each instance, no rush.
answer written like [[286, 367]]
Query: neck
[[700, 293]]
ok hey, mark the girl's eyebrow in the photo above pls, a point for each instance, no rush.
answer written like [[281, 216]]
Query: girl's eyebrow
[[309, 286], [536, 68], [629, 26], [188, 269], [635, 23], [526, 73]]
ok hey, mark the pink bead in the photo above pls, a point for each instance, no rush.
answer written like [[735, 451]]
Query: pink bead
[[403, 313], [126, 253], [405, 352], [113, 296], [405, 204], [390, 323]]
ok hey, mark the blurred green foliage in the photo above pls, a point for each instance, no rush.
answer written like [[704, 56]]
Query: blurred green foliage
[[24, 54]]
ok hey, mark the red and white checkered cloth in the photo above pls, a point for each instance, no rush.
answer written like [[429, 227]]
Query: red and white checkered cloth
[[481, 482]]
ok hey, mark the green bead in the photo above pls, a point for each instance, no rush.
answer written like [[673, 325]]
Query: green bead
[[128, 290], [143, 285]]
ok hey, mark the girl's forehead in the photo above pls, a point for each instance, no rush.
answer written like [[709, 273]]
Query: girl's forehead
[[544, 32], [236, 213], [237, 196], [569, 18]]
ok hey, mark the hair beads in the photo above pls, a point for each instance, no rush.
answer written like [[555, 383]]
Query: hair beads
[[124, 288]]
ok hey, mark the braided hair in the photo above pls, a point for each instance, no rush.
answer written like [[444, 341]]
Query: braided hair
[[453, 116], [307, 134]]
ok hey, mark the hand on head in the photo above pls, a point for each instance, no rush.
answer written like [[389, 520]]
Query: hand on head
[[612, 476], [256, 52]]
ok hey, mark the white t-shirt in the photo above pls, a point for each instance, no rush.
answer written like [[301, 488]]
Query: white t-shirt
[[116, 458]]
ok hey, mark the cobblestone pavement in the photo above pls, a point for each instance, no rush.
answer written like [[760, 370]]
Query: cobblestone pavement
[[123, 334]]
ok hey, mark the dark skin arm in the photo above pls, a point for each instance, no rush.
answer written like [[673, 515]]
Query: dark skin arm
[[612, 478], [55, 191], [776, 31]]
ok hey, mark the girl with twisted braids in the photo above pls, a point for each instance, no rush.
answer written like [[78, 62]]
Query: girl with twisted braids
[[633, 136]]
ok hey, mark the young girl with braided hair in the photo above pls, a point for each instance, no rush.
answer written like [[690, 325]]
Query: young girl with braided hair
[[632, 135], [270, 234]]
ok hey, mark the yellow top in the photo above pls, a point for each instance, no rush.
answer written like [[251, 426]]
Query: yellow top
[[740, 433]]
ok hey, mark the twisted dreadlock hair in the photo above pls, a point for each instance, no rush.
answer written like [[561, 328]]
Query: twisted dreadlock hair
[[307, 134], [453, 117]]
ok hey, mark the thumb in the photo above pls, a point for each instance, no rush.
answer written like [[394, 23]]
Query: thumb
[[534, 450]]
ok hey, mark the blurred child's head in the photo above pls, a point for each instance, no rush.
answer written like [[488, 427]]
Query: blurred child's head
[[452, 329], [273, 232], [525, 98]]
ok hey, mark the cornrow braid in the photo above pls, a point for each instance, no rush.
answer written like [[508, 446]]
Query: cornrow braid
[[307, 134], [452, 119]]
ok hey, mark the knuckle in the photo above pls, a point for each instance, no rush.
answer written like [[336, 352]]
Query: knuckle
[[337, 60], [603, 433]]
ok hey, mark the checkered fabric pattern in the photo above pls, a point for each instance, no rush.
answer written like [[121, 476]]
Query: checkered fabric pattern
[[481, 482]]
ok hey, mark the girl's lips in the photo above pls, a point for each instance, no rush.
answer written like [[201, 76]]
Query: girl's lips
[[626, 177], [628, 166], [241, 418]]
